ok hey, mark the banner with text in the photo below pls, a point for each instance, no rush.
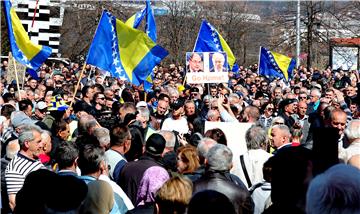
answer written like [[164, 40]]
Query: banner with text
[[206, 67]]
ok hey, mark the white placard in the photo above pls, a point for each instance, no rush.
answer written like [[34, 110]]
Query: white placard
[[235, 135], [206, 67]]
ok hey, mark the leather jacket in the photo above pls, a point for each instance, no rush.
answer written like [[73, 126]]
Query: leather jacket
[[218, 181]]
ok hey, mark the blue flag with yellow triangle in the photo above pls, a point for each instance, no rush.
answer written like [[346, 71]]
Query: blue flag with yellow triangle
[[125, 52], [272, 64], [150, 27], [210, 40], [22, 48]]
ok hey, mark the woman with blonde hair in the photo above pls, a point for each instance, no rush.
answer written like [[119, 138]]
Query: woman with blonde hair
[[174, 196]]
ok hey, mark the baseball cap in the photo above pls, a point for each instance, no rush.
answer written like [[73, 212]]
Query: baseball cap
[[41, 105], [177, 104], [155, 144], [141, 104]]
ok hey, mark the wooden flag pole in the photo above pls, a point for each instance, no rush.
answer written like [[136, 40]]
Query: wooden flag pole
[[77, 85], [16, 75], [23, 80]]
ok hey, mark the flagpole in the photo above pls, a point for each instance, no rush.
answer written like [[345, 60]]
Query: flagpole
[[16, 76], [77, 85], [258, 71], [83, 69], [197, 37]]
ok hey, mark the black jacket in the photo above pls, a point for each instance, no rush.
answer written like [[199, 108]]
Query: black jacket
[[217, 181]]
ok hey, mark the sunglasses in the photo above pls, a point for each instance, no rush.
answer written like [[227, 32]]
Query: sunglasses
[[278, 123], [270, 109], [303, 97], [102, 98]]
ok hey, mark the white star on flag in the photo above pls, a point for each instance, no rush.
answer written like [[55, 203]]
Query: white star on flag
[[29, 65], [217, 46], [118, 70], [213, 34], [114, 45], [24, 58], [216, 40], [116, 61], [114, 53], [114, 36], [112, 28]]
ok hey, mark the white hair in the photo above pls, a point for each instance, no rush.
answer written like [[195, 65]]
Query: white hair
[[144, 113], [103, 135], [352, 131], [316, 91], [218, 55], [204, 145], [12, 149], [169, 137]]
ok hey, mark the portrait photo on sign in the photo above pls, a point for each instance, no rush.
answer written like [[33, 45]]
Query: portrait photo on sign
[[194, 62], [218, 62]]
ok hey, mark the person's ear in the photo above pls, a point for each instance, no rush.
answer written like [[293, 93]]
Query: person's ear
[[27, 144]]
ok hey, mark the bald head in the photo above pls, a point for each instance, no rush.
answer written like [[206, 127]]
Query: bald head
[[338, 120], [302, 108]]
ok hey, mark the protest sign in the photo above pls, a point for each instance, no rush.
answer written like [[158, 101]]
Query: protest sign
[[206, 67], [235, 135]]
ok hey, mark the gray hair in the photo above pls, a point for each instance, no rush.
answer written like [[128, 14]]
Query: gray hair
[[212, 113], [277, 119], [172, 91], [255, 137], [204, 146], [103, 135], [316, 91], [27, 133], [207, 97], [352, 131], [284, 129], [144, 112], [338, 184], [233, 97], [219, 158], [85, 123], [12, 149], [170, 138]]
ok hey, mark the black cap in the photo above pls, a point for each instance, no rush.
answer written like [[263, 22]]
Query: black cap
[[177, 104], [287, 102], [155, 145], [194, 89]]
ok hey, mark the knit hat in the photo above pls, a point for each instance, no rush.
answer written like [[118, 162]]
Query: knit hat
[[155, 144], [57, 104]]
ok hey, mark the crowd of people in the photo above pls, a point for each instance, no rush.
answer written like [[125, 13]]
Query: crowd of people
[[110, 147]]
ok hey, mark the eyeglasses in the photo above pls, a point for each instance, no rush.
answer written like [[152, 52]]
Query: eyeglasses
[[278, 123]]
